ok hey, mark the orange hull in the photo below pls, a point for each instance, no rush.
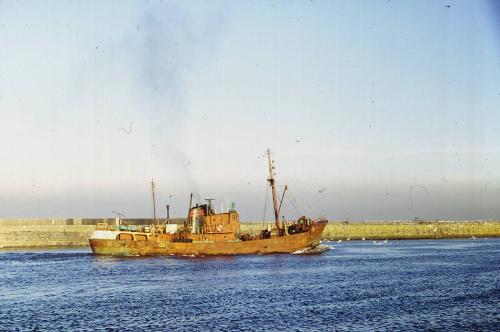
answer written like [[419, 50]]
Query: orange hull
[[158, 245]]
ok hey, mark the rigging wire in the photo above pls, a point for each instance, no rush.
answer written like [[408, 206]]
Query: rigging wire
[[305, 205], [292, 201], [309, 206], [309, 185], [243, 180], [287, 206]]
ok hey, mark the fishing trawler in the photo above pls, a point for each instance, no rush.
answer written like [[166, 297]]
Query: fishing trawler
[[206, 232]]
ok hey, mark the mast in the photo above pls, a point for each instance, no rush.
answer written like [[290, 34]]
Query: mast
[[271, 183], [190, 203], [154, 201], [186, 222]]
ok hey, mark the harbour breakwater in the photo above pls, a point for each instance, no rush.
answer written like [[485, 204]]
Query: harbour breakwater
[[403, 230], [76, 231]]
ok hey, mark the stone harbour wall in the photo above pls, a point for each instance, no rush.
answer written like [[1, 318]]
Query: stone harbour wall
[[76, 231]]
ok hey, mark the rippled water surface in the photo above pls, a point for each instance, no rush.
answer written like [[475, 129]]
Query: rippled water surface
[[402, 285]]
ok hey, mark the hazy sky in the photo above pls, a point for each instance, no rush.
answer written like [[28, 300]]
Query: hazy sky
[[374, 109]]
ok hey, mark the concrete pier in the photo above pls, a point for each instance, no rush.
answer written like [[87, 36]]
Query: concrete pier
[[76, 231]]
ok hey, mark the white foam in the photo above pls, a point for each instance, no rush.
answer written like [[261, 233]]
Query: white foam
[[312, 250]]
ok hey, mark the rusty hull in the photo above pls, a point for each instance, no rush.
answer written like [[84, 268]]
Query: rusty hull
[[162, 245]]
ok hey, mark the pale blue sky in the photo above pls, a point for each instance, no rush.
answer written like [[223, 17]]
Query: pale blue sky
[[374, 109]]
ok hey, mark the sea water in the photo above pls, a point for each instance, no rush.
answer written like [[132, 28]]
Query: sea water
[[356, 285]]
